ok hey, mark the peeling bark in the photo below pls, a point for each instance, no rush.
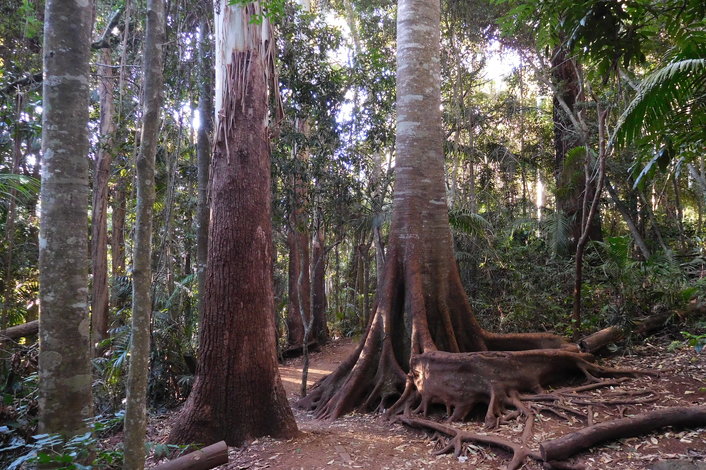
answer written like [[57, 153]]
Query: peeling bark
[[238, 394]]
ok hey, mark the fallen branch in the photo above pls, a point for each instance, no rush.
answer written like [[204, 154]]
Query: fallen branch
[[600, 339], [20, 331], [203, 459], [570, 444]]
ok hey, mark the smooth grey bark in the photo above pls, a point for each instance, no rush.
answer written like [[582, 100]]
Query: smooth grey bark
[[99, 238], [203, 154], [65, 399], [135, 409]]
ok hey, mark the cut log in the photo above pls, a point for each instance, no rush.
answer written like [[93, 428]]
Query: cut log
[[460, 381], [20, 331], [203, 459], [600, 339], [643, 423]]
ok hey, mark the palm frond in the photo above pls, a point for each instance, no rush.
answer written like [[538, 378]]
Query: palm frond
[[676, 88], [469, 223], [18, 187]]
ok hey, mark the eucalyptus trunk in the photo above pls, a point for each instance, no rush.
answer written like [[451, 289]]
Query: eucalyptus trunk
[[238, 394], [101, 176], [65, 400], [135, 407]]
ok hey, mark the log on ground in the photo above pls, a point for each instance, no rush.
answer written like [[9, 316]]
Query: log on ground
[[203, 459], [643, 423]]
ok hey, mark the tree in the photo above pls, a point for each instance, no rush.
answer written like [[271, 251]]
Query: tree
[[421, 305], [135, 406], [65, 400], [101, 177], [237, 394]]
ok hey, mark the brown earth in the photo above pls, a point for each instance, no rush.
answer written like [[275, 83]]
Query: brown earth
[[370, 441]]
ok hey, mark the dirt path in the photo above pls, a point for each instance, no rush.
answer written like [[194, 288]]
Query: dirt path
[[370, 441]]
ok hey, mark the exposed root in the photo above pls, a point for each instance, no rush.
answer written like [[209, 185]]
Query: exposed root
[[459, 437], [461, 381]]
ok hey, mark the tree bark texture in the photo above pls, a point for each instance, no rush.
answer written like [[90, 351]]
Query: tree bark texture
[[135, 408], [117, 242], [299, 306], [318, 287], [237, 394], [101, 176], [421, 304], [65, 399], [570, 177]]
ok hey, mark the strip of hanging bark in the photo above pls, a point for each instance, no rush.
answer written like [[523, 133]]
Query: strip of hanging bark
[[203, 459], [643, 423], [460, 381], [20, 331], [600, 339], [458, 437]]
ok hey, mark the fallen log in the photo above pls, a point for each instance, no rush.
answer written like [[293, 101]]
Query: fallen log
[[600, 339], [20, 331], [643, 423], [203, 459]]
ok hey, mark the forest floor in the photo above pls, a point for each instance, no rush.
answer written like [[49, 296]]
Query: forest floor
[[370, 441]]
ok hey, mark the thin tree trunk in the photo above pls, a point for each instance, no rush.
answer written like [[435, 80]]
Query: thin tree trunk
[[318, 284], [203, 154], [99, 239], [117, 242], [65, 399], [135, 407], [586, 224]]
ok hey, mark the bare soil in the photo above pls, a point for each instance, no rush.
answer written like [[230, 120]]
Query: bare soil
[[370, 441]]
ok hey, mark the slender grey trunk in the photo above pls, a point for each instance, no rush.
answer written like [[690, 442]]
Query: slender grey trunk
[[135, 409], [65, 399]]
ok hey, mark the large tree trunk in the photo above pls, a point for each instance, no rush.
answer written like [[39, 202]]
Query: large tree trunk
[[99, 239], [135, 407], [421, 303], [65, 400], [237, 353], [569, 172]]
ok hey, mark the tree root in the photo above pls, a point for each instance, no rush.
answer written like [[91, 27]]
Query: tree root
[[460, 381], [458, 437], [570, 444], [554, 453]]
